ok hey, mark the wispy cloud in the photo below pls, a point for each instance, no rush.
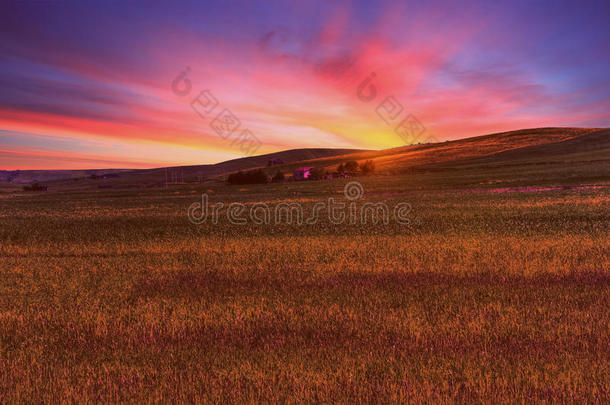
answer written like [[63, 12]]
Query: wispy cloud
[[290, 71]]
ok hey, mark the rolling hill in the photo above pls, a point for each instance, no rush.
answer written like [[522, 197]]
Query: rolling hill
[[158, 176], [408, 157], [544, 154], [541, 154], [33, 176]]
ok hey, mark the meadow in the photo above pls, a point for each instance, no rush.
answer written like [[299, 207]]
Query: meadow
[[488, 295]]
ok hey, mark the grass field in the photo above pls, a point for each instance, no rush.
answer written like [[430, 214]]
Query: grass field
[[488, 295]]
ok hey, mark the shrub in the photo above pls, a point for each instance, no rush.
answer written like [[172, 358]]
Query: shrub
[[351, 166], [252, 177], [278, 178], [317, 173], [368, 167], [35, 187]]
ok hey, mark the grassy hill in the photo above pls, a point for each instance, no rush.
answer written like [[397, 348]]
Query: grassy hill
[[288, 156], [529, 156], [33, 176], [156, 177], [539, 155], [407, 157]]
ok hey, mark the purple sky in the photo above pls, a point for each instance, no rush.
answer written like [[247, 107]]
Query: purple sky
[[90, 85]]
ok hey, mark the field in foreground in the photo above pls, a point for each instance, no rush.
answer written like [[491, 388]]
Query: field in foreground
[[488, 295]]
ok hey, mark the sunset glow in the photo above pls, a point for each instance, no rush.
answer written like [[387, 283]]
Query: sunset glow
[[90, 86]]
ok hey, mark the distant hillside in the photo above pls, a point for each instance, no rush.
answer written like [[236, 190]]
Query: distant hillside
[[402, 158], [590, 145], [542, 153], [287, 156], [582, 159], [152, 177], [33, 176]]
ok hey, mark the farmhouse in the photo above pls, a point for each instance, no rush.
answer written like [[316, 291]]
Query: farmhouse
[[302, 173]]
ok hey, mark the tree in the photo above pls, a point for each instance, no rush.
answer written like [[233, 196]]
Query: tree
[[316, 173], [368, 167], [260, 177], [351, 166], [236, 178], [341, 168], [278, 178], [252, 177]]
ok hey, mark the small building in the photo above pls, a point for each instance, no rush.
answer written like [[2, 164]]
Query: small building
[[302, 173]]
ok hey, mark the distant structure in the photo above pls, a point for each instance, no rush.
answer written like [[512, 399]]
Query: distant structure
[[302, 173]]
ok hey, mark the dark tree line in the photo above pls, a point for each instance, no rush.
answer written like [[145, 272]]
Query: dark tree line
[[353, 167], [259, 177], [252, 177], [35, 187]]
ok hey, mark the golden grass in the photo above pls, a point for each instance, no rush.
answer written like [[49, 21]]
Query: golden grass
[[494, 298]]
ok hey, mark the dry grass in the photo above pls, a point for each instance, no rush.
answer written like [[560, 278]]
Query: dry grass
[[116, 297]]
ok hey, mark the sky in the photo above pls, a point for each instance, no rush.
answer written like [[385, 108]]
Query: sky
[[115, 84]]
